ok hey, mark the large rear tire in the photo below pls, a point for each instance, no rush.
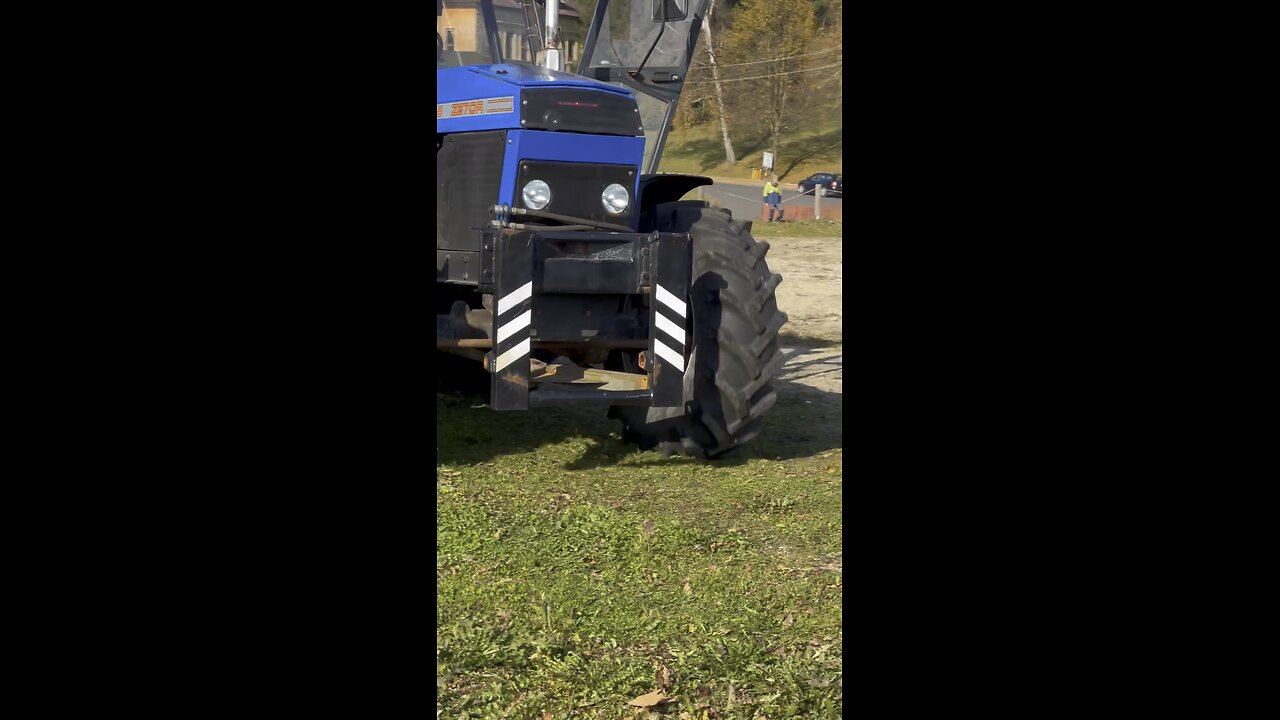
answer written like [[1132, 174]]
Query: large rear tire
[[728, 384]]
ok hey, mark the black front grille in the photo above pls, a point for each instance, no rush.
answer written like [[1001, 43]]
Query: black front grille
[[579, 110], [576, 187], [468, 176]]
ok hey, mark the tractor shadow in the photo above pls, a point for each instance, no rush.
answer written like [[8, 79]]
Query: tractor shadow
[[806, 420]]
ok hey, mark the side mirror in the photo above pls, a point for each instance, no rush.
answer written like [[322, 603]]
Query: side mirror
[[670, 10]]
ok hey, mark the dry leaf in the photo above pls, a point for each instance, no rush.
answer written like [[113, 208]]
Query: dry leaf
[[546, 715], [788, 620], [687, 590], [664, 678], [652, 699], [648, 528]]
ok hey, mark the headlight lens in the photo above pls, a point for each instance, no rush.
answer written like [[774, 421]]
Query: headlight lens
[[537, 194], [615, 199]]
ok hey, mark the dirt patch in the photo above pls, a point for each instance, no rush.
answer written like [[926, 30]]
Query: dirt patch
[[810, 295]]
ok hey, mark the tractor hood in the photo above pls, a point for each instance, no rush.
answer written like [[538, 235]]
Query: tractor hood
[[516, 96], [526, 75]]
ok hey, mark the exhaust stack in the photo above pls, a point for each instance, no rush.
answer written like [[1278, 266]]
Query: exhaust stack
[[551, 59]]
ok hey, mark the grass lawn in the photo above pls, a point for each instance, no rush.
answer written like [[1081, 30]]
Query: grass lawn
[[798, 228], [699, 150], [575, 573]]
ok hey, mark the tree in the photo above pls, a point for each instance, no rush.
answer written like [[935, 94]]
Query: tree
[[729, 156], [831, 28], [770, 46]]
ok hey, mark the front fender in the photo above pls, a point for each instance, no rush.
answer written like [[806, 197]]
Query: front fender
[[667, 187]]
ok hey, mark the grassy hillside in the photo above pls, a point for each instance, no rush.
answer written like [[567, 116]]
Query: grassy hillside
[[700, 150]]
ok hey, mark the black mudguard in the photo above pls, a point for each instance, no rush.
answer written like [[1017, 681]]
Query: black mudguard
[[667, 187]]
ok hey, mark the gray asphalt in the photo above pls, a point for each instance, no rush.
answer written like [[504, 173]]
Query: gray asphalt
[[744, 199]]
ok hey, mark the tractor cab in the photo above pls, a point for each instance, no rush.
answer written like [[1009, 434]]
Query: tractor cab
[[643, 46]]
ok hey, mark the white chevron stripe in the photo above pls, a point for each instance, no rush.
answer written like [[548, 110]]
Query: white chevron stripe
[[675, 331], [518, 296], [520, 323], [512, 355], [671, 301], [668, 354]]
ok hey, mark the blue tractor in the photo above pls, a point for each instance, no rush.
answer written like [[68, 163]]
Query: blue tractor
[[566, 265]]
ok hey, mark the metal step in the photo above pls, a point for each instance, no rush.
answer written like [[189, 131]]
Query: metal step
[[568, 373]]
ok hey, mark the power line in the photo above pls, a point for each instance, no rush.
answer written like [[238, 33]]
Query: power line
[[757, 62], [757, 77]]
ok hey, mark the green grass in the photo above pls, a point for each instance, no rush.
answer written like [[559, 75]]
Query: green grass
[[700, 150], [553, 598], [798, 228]]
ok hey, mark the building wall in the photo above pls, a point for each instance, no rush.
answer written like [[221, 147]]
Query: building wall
[[466, 31], [511, 35]]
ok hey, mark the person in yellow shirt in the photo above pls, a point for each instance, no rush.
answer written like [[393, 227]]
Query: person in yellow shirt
[[773, 197]]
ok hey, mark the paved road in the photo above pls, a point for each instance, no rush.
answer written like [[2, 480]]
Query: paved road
[[744, 200]]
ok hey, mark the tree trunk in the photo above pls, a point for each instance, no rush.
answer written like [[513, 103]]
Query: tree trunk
[[729, 156], [777, 116], [778, 101]]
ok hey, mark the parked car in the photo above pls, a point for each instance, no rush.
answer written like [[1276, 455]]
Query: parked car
[[828, 184]]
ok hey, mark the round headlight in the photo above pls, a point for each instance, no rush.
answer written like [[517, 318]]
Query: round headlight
[[615, 199], [537, 194]]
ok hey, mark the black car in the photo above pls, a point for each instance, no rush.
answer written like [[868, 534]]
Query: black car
[[829, 184]]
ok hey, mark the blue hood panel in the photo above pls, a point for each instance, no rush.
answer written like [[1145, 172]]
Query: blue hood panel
[[487, 97], [534, 76]]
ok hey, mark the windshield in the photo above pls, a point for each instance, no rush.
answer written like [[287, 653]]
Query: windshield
[[648, 57], [627, 32]]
